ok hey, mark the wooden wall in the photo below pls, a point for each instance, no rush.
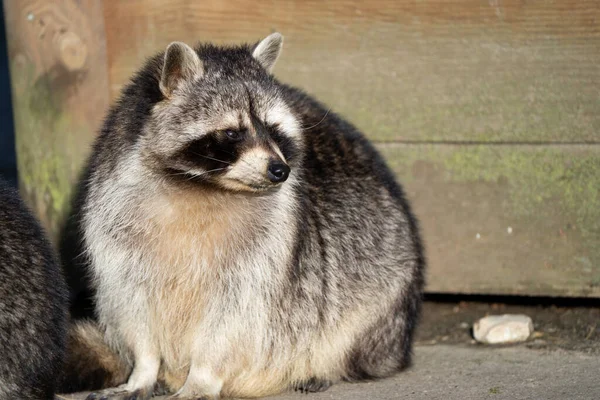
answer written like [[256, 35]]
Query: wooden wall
[[488, 111], [57, 60]]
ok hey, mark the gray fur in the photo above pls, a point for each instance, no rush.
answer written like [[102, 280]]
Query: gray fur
[[33, 305], [222, 282]]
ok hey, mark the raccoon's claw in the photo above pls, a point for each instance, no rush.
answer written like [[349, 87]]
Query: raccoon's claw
[[313, 385], [160, 390], [120, 393]]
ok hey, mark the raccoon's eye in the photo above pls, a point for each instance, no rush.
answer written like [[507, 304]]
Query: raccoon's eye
[[234, 135]]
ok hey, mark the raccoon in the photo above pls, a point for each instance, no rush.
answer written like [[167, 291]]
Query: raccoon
[[242, 239], [33, 304]]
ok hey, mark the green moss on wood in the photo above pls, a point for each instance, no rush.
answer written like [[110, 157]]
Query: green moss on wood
[[567, 176], [549, 194], [536, 177], [47, 142]]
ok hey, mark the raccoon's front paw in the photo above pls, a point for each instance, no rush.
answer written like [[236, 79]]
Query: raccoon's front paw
[[313, 385], [160, 389], [122, 393]]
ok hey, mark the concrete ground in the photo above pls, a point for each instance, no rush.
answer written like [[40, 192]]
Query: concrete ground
[[560, 362]]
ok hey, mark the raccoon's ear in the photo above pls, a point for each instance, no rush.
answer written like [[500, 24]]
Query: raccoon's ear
[[181, 64], [267, 50]]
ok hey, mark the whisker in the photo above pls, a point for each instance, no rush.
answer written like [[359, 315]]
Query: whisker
[[178, 173], [192, 176], [211, 158], [315, 125], [212, 170], [206, 172]]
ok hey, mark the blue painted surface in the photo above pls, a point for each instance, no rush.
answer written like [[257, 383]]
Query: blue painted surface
[[8, 167]]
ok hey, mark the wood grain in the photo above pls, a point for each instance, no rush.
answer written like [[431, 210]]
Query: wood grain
[[501, 219], [59, 84], [436, 70]]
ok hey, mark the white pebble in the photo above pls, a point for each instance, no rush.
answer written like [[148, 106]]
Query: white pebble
[[509, 230], [478, 236], [507, 328]]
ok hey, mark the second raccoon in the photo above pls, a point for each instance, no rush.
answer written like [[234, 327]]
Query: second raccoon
[[243, 240], [33, 304]]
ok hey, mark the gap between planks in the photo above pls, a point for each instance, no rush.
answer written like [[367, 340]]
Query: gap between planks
[[490, 143]]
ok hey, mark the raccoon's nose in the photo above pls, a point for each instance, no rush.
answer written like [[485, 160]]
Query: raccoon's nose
[[278, 172]]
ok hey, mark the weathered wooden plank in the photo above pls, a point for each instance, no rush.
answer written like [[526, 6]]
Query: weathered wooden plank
[[432, 70], [506, 219], [59, 86], [435, 70]]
